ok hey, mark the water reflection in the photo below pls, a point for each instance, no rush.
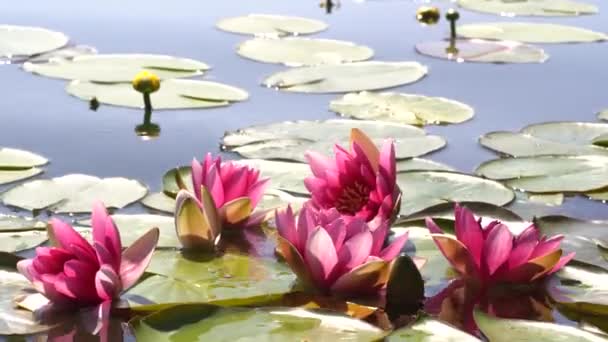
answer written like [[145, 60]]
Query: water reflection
[[147, 130], [329, 5], [455, 304]]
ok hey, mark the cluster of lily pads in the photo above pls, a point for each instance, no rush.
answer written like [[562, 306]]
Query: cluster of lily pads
[[315, 215]]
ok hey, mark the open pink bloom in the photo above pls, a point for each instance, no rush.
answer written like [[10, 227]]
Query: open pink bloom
[[492, 254], [225, 195], [79, 274], [333, 254], [358, 183]]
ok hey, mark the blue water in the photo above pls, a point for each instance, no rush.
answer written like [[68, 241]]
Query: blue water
[[38, 115]]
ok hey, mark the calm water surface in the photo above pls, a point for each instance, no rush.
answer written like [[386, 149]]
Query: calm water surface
[[38, 115]]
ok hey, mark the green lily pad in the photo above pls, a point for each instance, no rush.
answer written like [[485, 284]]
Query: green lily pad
[[14, 242], [160, 202], [208, 323], [206, 279], [445, 211], [418, 164], [10, 176], [586, 238], [173, 94], [347, 77], [543, 8], [483, 51], [430, 330], [116, 68], [603, 115], [291, 139], [271, 25], [9, 223], [14, 321], [556, 199], [23, 41], [582, 288], [551, 138], [516, 330], [530, 32], [430, 188], [15, 159], [65, 53], [74, 193], [549, 174], [132, 227], [303, 51], [401, 108]]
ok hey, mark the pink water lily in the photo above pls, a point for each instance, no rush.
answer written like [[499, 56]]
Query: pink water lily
[[492, 254], [225, 196], [358, 183], [334, 254], [77, 273]]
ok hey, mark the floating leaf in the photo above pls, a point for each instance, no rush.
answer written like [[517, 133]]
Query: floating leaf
[[303, 51], [347, 77], [418, 164], [9, 223], [184, 278], [435, 187], [499, 329], [430, 330], [14, 242], [547, 199], [66, 53], [132, 227], [271, 25], [549, 174], [159, 201], [543, 8], [484, 51], [173, 94], [401, 108], [115, 68], [291, 139], [9, 176], [14, 321], [551, 138], [603, 115], [207, 323], [586, 238], [74, 193], [581, 288], [530, 32], [14, 159], [23, 41], [445, 212]]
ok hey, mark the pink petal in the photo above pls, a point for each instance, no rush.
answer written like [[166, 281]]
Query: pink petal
[[337, 230], [546, 247], [388, 164], [50, 259], [379, 234], [356, 250], [306, 222], [320, 256], [23, 266], [361, 141], [103, 321], [562, 262], [213, 183], [235, 182], [197, 223], [106, 234], [468, 231], [67, 238], [392, 250], [316, 187], [107, 283], [523, 247], [432, 226], [286, 225], [197, 177], [497, 247], [318, 163], [256, 192], [136, 258]]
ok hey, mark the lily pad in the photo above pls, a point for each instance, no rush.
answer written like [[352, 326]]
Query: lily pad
[[291, 139], [10, 223], [483, 51], [424, 189], [402, 108], [549, 174], [74, 193], [303, 51], [116, 68], [173, 94], [23, 41], [160, 202], [14, 321], [132, 227], [271, 25], [14, 242], [203, 279], [10, 176], [603, 115], [66, 53], [530, 32], [430, 330], [543, 8], [347, 77], [445, 212], [418, 164], [586, 238], [15, 159], [516, 330], [581, 288]]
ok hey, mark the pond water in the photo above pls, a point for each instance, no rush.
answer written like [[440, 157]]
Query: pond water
[[38, 115]]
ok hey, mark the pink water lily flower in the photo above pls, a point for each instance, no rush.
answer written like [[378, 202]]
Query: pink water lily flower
[[77, 274], [358, 183], [333, 254], [225, 196], [492, 254]]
